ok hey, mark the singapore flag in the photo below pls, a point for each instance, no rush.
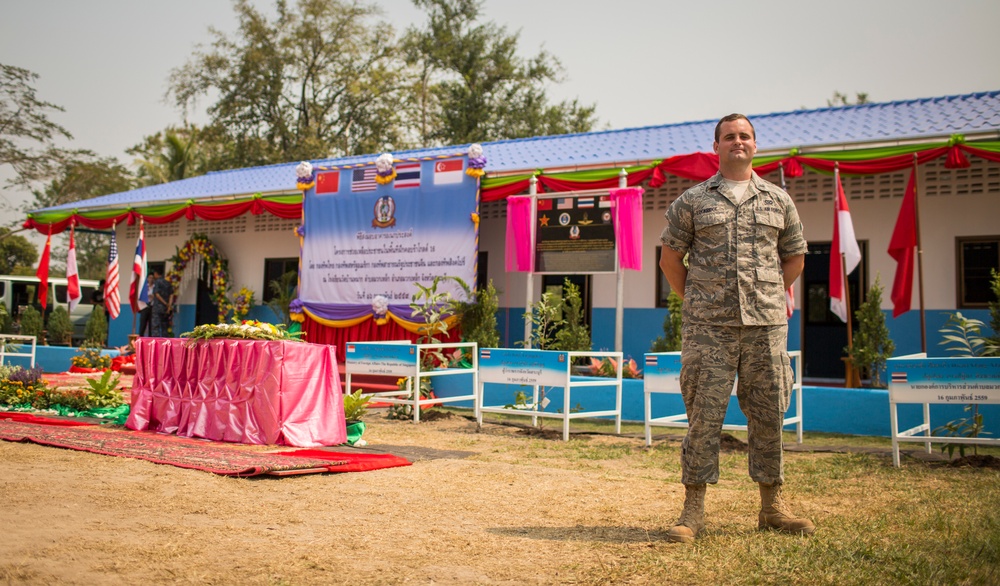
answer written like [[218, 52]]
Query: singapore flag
[[448, 172]]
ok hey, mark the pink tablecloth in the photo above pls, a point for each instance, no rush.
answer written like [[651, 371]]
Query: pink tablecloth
[[246, 391]]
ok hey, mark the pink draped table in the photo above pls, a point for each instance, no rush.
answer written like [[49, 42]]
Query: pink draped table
[[245, 391]]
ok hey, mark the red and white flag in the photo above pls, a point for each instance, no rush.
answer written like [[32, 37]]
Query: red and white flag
[[43, 274], [844, 244], [72, 274], [448, 172], [901, 247]]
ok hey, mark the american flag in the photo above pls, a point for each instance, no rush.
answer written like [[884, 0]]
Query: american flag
[[112, 301], [363, 179]]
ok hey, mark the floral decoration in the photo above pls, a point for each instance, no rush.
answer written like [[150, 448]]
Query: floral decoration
[[385, 172], [306, 176], [242, 303], [477, 161], [380, 306], [200, 245], [244, 330]]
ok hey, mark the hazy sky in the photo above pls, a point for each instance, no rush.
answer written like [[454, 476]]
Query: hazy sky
[[641, 62]]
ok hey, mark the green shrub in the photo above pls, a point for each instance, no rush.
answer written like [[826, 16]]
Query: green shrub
[[96, 330], [670, 341], [60, 328], [31, 323]]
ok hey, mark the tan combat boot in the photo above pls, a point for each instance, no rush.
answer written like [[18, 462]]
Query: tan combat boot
[[692, 517], [775, 514]]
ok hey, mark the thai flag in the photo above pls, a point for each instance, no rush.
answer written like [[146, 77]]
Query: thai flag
[[899, 377], [585, 202], [651, 361], [138, 290], [484, 354], [407, 175]]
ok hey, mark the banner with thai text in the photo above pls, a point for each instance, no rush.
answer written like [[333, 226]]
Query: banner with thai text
[[944, 380], [366, 242]]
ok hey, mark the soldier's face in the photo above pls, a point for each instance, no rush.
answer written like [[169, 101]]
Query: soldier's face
[[736, 141]]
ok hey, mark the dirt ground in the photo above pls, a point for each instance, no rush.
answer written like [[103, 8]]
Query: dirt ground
[[491, 506]]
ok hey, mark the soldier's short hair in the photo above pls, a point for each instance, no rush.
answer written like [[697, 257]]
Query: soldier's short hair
[[730, 118]]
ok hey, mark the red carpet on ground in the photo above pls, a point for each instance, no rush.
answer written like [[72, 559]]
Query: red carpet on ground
[[40, 420], [216, 457], [355, 462]]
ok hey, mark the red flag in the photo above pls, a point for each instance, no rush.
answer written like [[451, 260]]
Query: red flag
[[72, 274], [901, 245], [844, 242], [790, 301], [43, 274]]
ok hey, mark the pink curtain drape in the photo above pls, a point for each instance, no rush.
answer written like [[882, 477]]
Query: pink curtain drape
[[519, 257], [627, 206]]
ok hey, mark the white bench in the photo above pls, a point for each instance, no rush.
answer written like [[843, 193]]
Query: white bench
[[22, 341], [545, 368], [662, 375]]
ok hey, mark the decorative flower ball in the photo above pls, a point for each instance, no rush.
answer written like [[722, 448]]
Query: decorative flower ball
[[380, 305], [304, 171], [383, 164]]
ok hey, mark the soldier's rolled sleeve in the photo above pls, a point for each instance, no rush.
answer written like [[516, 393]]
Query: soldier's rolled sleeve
[[679, 232], [791, 242]]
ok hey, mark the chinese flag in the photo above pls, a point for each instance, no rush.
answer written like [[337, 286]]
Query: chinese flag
[[901, 245], [328, 182]]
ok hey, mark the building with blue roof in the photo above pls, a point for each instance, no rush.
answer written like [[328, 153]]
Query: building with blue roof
[[958, 189]]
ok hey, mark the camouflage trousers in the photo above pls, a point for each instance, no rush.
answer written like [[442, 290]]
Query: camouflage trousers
[[711, 357]]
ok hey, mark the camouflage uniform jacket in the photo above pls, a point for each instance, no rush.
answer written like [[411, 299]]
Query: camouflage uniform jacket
[[734, 251]]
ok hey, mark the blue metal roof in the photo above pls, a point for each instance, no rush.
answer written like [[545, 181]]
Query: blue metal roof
[[825, 127]]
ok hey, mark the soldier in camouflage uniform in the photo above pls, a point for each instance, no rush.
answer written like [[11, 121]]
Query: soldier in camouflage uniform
[[744, 243]]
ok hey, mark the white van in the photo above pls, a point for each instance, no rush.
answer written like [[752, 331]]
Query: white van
[[18, 291]]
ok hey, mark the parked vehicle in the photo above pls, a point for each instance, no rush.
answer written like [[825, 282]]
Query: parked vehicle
[[18, 292]]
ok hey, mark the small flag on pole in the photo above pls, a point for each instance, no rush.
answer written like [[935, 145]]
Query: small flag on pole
[[901, 246], [43, 274], [112, 300], [846, 244], [138, 282], [72, 274]]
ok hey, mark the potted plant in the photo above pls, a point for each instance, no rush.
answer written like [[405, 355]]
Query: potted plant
[[355, 407], [31, 323], [60, 328], [96, 330], [872, 345]]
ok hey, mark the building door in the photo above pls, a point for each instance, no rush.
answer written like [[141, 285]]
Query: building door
[[206, 311], [824, 336]]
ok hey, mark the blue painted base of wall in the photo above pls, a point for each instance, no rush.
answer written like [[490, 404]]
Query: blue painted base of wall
[[643, 325], [824, 409], [51, 358]]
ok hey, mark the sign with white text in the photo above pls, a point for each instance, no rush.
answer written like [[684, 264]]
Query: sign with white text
[[523, 367], [944, 380], [364, 241]]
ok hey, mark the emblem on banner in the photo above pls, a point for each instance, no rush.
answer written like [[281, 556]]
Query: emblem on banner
[[385, 212]]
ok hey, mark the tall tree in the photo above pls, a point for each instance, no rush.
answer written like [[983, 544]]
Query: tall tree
[[321, 80], [175, 153], [473, 86], [17, 254], [27, 136], [84, 176]]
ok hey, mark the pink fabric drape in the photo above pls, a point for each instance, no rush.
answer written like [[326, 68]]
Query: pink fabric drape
[[246, 391], [627, 206], [519, 257]]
